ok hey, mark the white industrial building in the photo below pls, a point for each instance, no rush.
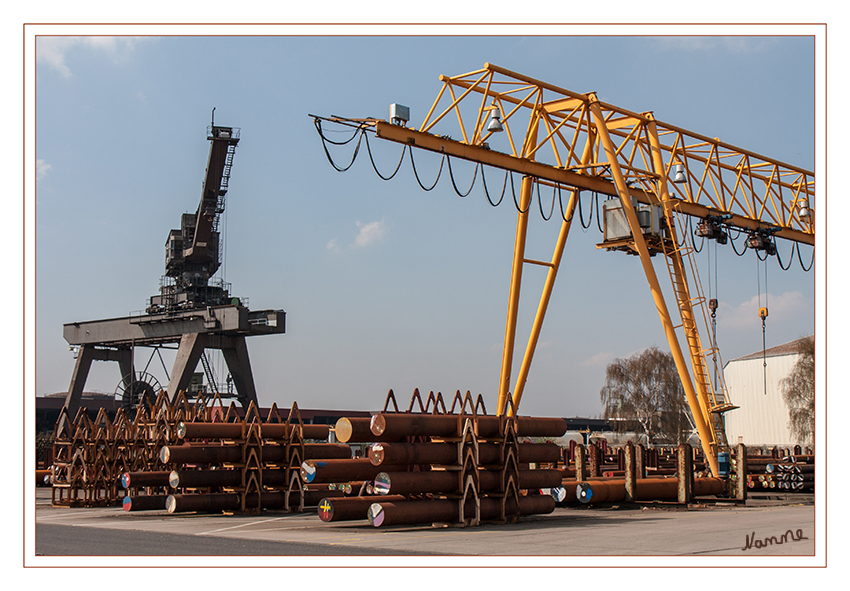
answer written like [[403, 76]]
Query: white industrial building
[[762, 419]]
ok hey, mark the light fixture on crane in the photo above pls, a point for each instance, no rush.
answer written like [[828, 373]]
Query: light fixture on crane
[[803, 209], [494, 125], [679, 177]]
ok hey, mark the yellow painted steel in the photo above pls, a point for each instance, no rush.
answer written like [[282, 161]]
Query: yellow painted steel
[[543, 306], [694, 402], [576, 141], [513, 298]]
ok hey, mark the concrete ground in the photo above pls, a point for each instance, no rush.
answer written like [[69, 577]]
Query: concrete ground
[[662, 531]]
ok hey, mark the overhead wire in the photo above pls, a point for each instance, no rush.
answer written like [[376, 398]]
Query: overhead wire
[[504, 186], [374, 166], [360, 130]]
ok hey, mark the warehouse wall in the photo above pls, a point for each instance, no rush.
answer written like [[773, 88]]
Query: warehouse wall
[[762, 418]]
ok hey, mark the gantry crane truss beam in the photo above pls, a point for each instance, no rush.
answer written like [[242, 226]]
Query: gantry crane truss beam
[[575, 141]]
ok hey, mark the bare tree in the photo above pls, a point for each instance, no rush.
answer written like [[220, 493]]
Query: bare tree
[[798, 390], [644, 394]]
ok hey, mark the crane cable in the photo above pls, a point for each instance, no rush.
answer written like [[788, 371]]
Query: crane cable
[[712, 303], [763, 316]]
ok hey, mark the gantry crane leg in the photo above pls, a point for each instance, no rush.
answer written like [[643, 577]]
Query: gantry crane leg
[[513, 298], [654, 285], [553, 267]]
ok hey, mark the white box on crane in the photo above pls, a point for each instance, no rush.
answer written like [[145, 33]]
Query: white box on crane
[[615, 224]]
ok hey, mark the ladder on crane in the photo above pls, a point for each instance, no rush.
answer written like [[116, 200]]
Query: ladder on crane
[[225, 179], [712, 397]]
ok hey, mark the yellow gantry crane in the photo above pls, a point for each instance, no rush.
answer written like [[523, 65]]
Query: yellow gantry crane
[[658, 172]]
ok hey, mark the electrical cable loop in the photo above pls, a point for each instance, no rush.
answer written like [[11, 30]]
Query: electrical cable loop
[[800, 258], [516, 203], [561, 203], [325, 141], [581, 214], [504, 186], [374, 166], [471, 185], [694, 243], [317, 121], [735, 250], [416, 172], [791, 257], [598, 217], [540, 202]]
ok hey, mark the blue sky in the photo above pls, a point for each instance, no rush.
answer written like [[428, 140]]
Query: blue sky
[[385, 285]]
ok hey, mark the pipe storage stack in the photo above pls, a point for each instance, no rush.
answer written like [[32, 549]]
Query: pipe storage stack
[[174, 449], [89, 456], [247, 465], [459, 468]]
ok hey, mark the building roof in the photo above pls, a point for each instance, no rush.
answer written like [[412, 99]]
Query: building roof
[[792, 348]]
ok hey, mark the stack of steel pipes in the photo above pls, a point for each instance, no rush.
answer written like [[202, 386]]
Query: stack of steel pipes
[[90, 455], [245, 466], [760, 482], [636, 482], [794, 473], [455, 468], [646, 489]]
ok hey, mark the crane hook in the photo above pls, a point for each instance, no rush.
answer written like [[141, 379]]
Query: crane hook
[[763, 316]]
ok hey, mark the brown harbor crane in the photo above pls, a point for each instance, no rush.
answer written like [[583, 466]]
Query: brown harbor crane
[[193, 309]]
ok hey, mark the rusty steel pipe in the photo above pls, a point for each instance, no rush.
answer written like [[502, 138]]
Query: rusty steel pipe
[[445, 510], [350, 508], [528, 505], [231, 454], [646, 489], [144, 503], [202, 430], [447, 453], [138, 479], [203, 503], [337, 470], [213, 478], [209, 503], [397, 426], [444, 481], [410, 512], [354, 430]]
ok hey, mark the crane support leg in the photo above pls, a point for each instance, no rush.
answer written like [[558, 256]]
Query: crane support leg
[[235, 351], [236, 357], [85, 356], [189, 352], [522, 376], [552, 274], [654, 285], [513, 298]]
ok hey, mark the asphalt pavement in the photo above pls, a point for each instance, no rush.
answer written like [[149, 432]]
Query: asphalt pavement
[[777, 527]]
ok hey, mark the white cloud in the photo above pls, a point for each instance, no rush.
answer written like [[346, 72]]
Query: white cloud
[[370, 233], [41, 169], [746, 315], [598, 360], [53, 50]]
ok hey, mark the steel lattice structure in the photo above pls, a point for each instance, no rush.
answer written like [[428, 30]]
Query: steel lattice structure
[[576, 142]]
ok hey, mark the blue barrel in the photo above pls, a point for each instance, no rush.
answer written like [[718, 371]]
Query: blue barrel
[[724, 466]]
